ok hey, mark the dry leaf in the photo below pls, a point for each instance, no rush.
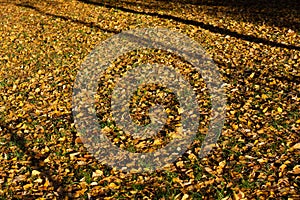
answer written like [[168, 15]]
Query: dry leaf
[[185, 196], [35, 172], [239, 196]]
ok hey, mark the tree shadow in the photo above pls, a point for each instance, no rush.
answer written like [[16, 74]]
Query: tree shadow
[[66, 18], [253, 14], [259, 12], [36, 159], [280, 13]]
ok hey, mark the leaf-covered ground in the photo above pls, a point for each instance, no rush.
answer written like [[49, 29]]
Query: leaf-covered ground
[[256, 47]]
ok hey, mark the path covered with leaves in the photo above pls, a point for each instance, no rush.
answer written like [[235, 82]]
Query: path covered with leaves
[[256, 47]]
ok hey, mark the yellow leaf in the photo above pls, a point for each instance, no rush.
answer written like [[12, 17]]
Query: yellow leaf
[[35, 172], [264, 96], [249, 123], [19, 125], [141, 144], [235, 127], [27, 186], [279, 109], [260, 131], [180, 110], [222, 163], [185, 196], [73, 155], [239, 196], [39, 180], [12, 37], [262, 160], [265, 110], [46, 149], [272, 83], [47, 183], [113, 186], [176, 180], [180, 164], [282, 167], [209, 170], [192, 156], [79, 115], [79, 193], [62, 139], [296, 169], [157, 142], [94, 183], [97, 173], [296, 146], [106, 130]]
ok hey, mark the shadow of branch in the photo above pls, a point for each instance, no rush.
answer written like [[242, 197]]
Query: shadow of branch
[[89, 24], [203, 25]]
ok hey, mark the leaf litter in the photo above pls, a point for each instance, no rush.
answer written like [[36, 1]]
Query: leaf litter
[[43, 44]]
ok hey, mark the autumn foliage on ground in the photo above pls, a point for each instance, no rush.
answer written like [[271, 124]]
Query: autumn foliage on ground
[[256, 47]]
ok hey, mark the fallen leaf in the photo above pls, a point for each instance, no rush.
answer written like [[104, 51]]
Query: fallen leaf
[[239, 196], [185, 196], [35, 172]]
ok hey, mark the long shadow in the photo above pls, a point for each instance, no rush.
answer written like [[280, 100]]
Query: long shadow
[[203, 25], [36, 160], [280, 13], [89, 24]]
